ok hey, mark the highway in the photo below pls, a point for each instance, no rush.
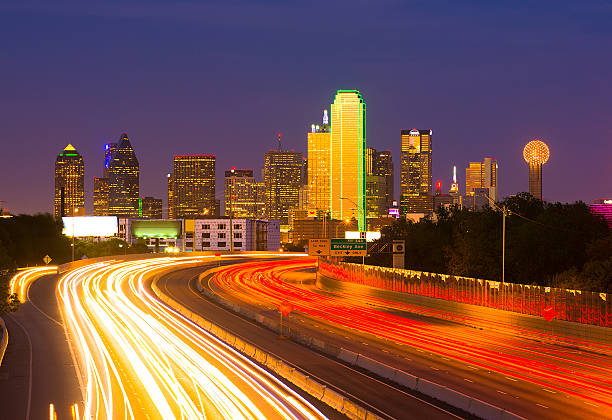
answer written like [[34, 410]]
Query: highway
[[381, 398], [530, 378], [132, 357]]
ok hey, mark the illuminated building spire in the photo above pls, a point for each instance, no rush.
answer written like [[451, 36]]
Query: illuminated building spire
[[454, 174]]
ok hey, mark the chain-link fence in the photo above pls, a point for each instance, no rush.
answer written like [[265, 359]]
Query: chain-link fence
[[568, 305]]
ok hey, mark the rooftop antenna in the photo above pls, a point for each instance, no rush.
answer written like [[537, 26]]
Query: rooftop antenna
[[454, 174], [279, 142]]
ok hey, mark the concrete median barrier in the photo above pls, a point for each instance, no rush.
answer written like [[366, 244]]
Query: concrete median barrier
[[374, 366], [315, 389], [348, 356], [405, 379], [333, 399], [354, 411]]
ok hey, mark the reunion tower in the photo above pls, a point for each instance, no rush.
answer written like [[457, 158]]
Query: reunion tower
[[536, 154]]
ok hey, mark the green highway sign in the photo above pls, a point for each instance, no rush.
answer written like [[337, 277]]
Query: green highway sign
[[348, 248]]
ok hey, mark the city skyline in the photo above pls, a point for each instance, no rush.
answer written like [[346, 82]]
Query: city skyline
[[483, 104]]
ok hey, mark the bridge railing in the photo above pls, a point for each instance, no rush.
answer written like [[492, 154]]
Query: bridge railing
[[569, 305]]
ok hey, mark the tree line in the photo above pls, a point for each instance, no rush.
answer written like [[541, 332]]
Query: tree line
[[547, 244], [26, 239]]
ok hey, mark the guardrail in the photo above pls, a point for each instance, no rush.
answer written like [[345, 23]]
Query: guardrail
[[567, 305], [454, 398]]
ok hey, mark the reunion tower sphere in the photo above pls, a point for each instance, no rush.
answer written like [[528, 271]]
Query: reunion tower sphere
[[536, 154]]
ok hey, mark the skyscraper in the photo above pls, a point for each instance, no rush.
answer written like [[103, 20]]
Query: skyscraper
[[243, 194], [123, 180], [482, 175], [536, 154], [100, 196], [151, 208], [379, 182], [170, 197], [193, 186], [101, 193], [69, 183], [282, 179], [319, 157], [347, 158], [416, 172]]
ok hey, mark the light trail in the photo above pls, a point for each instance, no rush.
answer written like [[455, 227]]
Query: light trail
[[138, 358], [20, 283], [589, 378]]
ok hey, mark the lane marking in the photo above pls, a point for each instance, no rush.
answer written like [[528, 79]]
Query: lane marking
[[512, 379], [466, 379], [594, 405], [502, 392], [541, 405], [549, 390]]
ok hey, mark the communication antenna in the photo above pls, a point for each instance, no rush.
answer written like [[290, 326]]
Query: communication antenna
[[454, 174], [279, 142]]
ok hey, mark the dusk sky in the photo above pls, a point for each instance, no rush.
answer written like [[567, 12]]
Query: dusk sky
[[223, 77]]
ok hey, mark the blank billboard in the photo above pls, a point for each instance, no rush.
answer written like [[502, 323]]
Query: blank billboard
[[81, 226], [156, 228]]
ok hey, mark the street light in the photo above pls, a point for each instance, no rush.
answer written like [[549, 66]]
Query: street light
[[357, 208]]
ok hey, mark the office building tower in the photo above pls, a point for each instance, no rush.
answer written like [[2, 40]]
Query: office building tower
[[101, 192], [379, 182], [347, 161], [454, 188], [109, 148], [170, 197], [100, 196], [123, 180], [482, 175], [151, 208], [193, 187], [244, 197], [69, 183], [536, 154], [319, 158], [416, 172], [282, 179]]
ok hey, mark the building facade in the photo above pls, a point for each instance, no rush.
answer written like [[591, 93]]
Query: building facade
[[379, 182], [319, 171], [123, 180], [100, 196], [69, 183], [347, 158], [282, 179], [482, 175], [191, 187], [244, 197], [416, 172], [151, 208], [247, 234]]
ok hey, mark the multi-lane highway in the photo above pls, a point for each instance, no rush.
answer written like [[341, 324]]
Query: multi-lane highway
[[525, 376], [381, 398], [96, 342]]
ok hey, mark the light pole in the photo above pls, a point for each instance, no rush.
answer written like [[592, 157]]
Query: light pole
[[505, 212]]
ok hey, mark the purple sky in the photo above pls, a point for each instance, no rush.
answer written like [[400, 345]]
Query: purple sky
[[223, 77]]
